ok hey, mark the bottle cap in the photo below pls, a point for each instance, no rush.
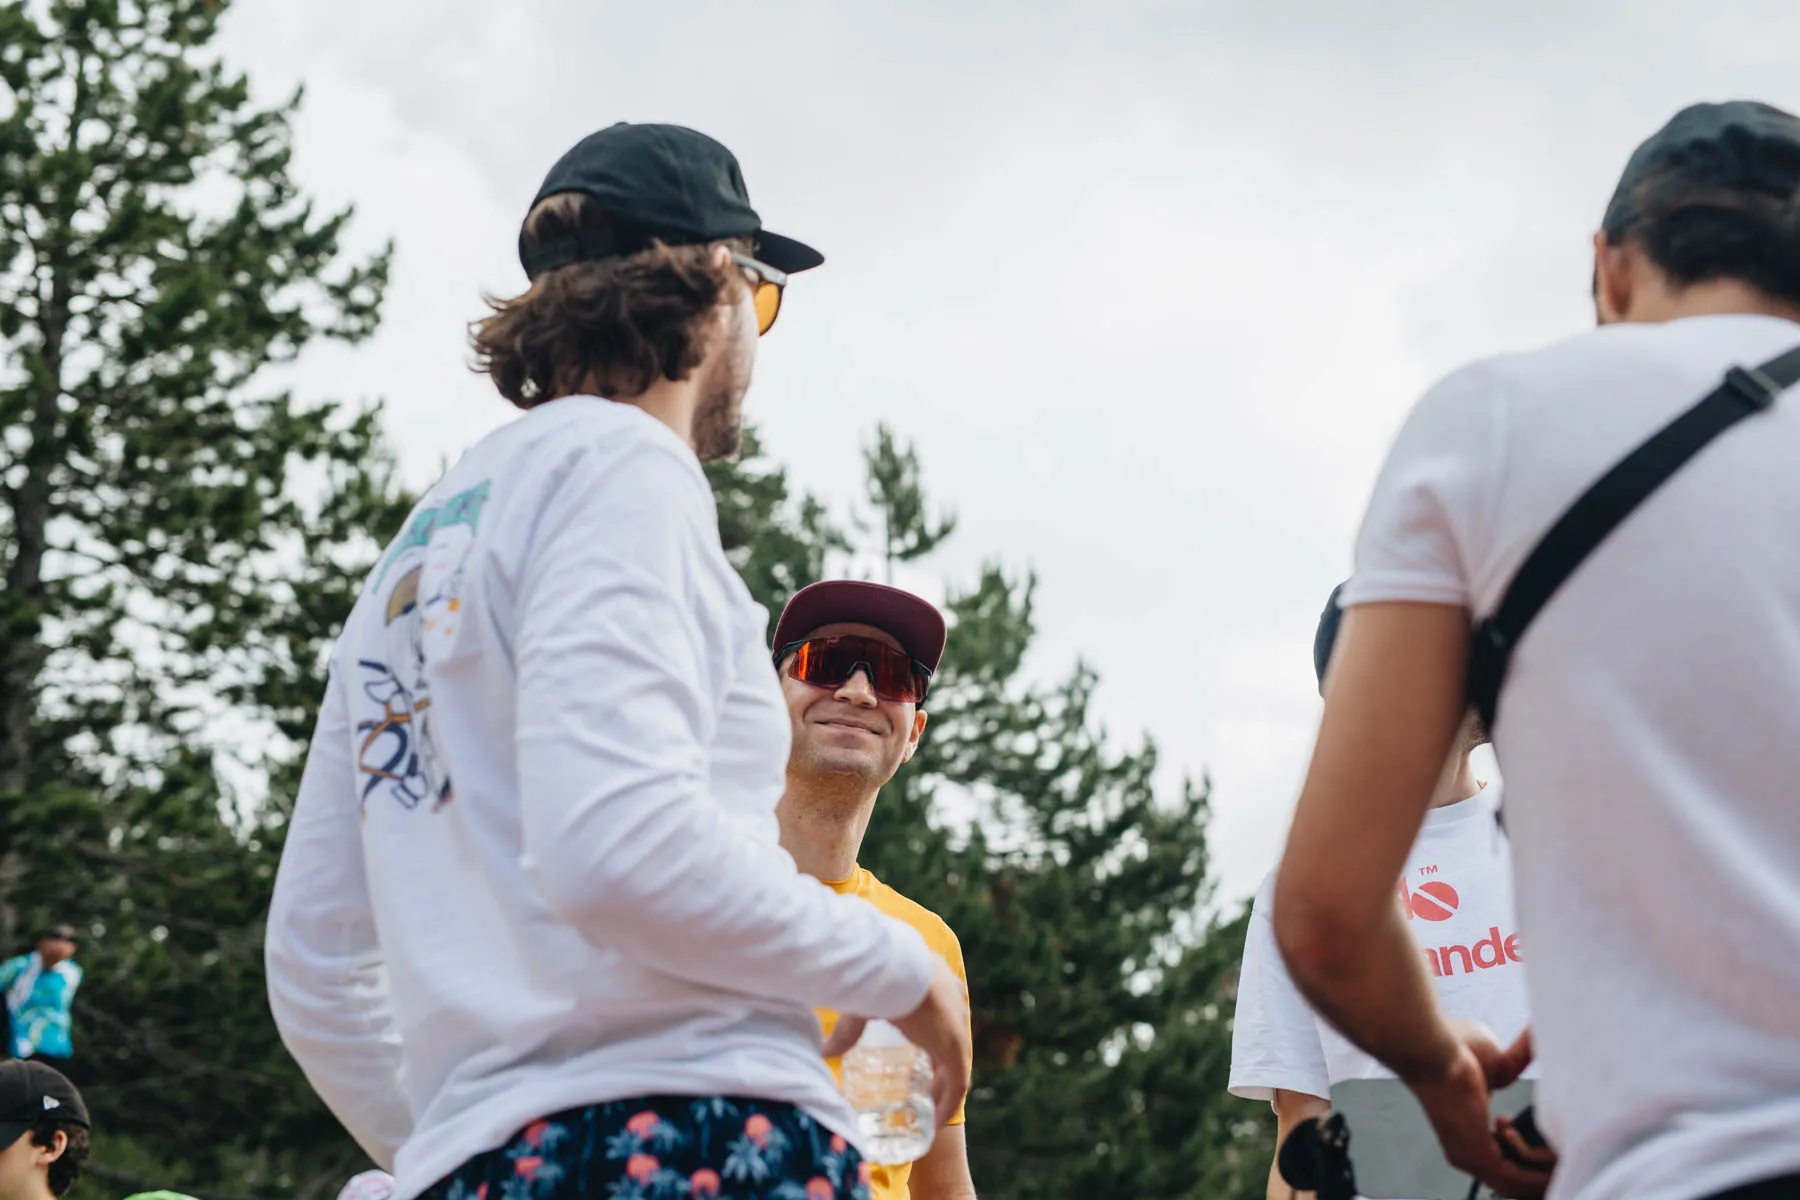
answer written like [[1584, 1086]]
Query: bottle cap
[[881, 1034]]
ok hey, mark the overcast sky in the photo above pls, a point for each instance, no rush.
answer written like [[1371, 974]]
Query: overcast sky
[[1151, 284]]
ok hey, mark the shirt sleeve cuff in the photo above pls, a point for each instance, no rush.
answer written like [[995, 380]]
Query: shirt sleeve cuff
[[1375, 586], [900, 987], [1263, 1084]]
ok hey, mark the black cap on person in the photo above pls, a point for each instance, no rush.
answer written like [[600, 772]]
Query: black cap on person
[[656, 183], [1739, 154], [31, 1091]]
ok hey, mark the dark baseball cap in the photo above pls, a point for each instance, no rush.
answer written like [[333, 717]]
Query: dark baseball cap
[[64, 933], [1739, 154], [30, 1091], [1326, 637], [655, 183], [913, 622]]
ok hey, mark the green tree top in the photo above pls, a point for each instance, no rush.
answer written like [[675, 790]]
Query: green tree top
[[896, 487], [177, 542], [1101, 985], [155, 256]]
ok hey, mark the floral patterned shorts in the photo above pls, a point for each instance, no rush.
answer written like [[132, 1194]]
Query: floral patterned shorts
[[666, 1148]]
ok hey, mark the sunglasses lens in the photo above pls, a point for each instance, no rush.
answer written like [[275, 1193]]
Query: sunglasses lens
[[768, 305], [830, 662]]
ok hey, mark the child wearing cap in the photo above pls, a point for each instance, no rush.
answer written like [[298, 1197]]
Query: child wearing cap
[[43, 1132]]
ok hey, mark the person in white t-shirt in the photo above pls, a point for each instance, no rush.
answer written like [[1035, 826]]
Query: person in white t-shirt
[[1456, 893], [533, 931], [1646, 728]]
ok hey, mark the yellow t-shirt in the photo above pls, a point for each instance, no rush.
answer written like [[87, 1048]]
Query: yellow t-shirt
[[889, 1183]]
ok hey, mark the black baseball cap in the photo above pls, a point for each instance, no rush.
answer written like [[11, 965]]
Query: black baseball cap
[[60, 932], [1326, 637], [30, 1091], [655, 183], [911, 620], [1737, 154]]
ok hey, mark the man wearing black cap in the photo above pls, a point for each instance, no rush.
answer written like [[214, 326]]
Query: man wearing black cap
[[43, 1132], [856, 661], [1455, 890], [532, 918], [1641, 665]]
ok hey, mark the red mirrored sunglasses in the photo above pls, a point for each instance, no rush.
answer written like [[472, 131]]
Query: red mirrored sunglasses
[[829, 662]]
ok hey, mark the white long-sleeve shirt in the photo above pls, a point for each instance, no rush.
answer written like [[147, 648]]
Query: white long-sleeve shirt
[[534, 862]]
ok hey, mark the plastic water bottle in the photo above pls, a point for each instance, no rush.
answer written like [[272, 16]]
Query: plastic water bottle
[[887, 1080]]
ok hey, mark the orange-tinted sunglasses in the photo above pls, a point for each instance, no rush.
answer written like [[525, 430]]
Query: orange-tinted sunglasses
[[830, 662], [765, 289]]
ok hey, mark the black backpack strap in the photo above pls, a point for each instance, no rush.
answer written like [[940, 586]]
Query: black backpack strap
[[1603, 507]]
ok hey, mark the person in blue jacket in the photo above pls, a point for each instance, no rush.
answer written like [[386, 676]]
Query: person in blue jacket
[[40, 991]]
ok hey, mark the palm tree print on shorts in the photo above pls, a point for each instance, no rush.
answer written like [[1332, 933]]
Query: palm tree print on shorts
[[667, 1148]]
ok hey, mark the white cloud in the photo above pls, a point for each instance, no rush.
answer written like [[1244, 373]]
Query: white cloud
[[1150, 283]]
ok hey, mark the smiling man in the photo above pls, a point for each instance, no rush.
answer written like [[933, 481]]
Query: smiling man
[[856, 661]]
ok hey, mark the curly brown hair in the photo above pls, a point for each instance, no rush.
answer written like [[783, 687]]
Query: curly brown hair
[[613, 327], [66, 1169]]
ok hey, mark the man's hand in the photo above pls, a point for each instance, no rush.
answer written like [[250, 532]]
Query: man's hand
[[1457, 1102], [939, 1027]]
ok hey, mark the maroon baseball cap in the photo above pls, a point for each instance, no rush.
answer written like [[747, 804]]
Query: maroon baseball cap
[[916, 624]]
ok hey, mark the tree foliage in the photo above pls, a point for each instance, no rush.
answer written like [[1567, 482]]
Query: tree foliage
[[1102, 989], [178, 541]]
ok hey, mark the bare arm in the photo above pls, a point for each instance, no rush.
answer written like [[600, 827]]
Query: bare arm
[[1291, 1108], [1393, 704], [943, 1174]]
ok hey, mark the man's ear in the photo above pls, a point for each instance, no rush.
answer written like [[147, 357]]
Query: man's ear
[[1613, 279], [59, 1142], [912, 743]]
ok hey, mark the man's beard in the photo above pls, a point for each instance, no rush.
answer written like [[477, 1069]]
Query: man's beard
[[719, 420]]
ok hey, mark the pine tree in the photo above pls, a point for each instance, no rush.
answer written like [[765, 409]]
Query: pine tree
[[1101, 987], [179, 540], [896, 490], [777, 542]]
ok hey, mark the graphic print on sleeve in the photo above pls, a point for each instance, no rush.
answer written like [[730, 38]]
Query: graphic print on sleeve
[[422, 575]]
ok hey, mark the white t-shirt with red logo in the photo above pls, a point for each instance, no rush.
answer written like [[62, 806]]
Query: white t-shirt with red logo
[[1458, 893]]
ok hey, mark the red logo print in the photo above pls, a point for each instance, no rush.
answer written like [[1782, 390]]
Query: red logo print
[[1491, 951], [1434, 901]]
